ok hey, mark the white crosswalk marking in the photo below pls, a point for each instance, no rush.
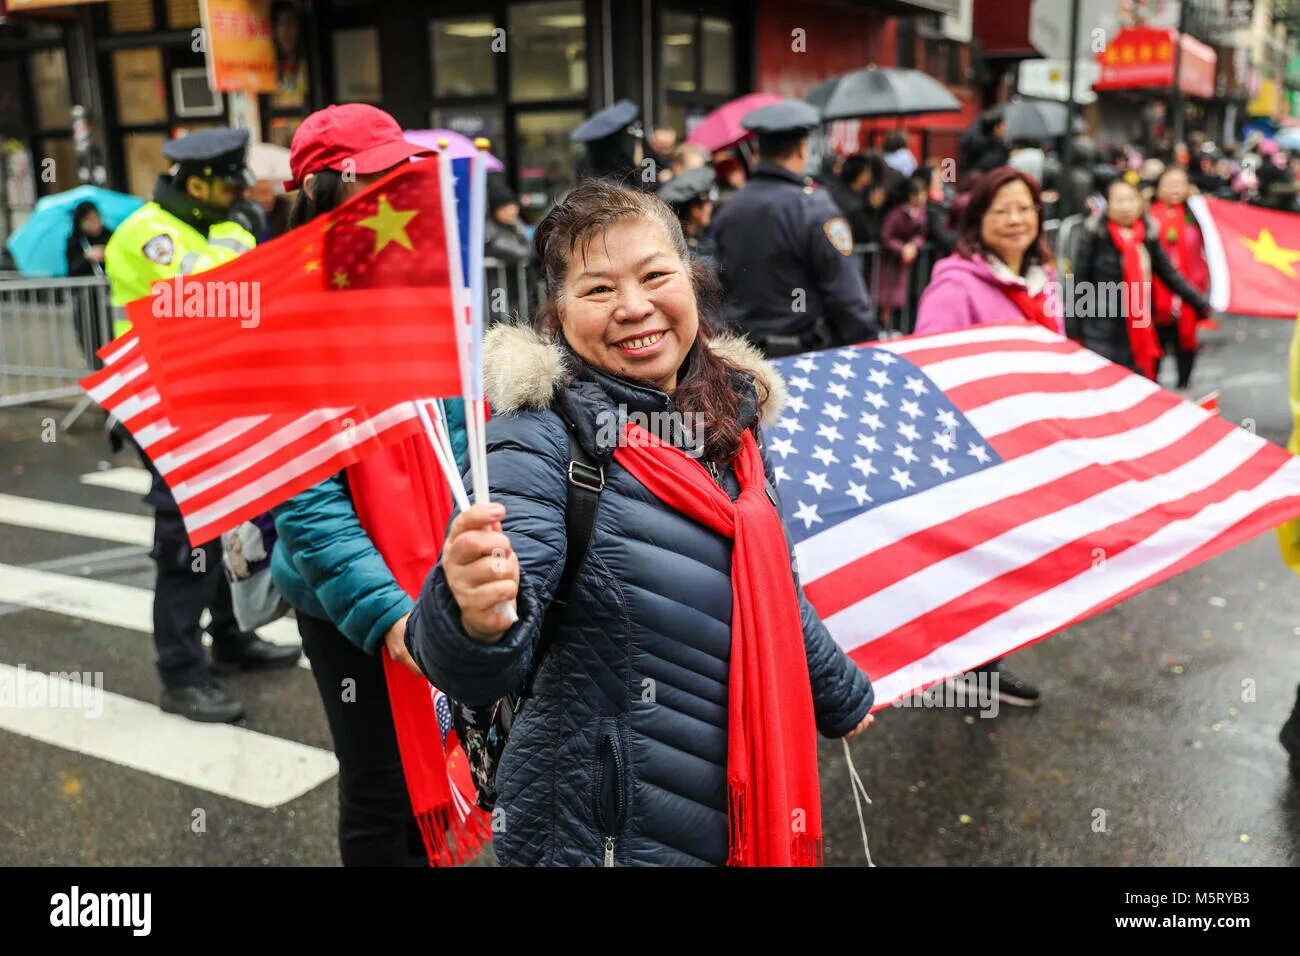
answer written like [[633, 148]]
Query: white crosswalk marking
[[104, 602], [73, 519], [236, 762], [134, 480], [231, 761]]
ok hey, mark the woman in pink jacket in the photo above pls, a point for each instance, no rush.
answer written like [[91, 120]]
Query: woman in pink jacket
[[1001, 270]]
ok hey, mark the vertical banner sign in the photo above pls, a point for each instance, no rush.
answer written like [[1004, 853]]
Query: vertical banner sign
[[240, 51]]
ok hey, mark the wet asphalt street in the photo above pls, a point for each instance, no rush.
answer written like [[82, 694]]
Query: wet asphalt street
[[1156, 743]]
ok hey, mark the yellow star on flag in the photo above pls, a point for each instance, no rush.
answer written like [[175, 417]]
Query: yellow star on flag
[[340, 280], [389, 225], [1266, 250], [311, 266]]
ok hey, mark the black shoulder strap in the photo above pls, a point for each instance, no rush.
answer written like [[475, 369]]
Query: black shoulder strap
[[585, 481]]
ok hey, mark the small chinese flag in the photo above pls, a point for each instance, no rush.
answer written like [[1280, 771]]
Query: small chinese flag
[[352, 308]]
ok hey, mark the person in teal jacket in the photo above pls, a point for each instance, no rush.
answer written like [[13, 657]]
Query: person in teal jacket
[[325, 565], [350, 609]]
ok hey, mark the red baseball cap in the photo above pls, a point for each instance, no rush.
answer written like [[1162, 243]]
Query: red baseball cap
[[357, 132]]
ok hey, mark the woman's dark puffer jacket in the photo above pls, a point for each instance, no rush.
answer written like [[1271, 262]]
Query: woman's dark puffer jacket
[[625, 736], [1100, 261]]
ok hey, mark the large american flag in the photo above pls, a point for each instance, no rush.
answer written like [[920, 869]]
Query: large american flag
[[954, 497], [223, 476]]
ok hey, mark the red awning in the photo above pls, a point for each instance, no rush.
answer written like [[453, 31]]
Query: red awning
[[1140, 58], [1003, 29]]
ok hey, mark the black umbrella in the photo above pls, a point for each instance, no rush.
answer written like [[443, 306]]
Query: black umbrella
[[1035, 119], [881, 91]]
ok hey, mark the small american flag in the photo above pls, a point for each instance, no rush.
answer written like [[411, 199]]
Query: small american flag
[[226, 475], [954, 497]]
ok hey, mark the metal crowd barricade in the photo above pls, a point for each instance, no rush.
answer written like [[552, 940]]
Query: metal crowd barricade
[[871, 257], [513, 290], [50, 330]]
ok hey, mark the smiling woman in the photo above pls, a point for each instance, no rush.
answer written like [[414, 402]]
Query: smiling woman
[[677, 679]]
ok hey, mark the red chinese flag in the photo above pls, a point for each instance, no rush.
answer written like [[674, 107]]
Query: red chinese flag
[[353, 308], [1254, 257]]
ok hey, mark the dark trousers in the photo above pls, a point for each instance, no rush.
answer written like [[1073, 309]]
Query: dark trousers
[[1168, 335], [376, 824], [189, 581]]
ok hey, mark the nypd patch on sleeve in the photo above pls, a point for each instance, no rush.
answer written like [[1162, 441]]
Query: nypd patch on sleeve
[[841, 236], [160, 249]]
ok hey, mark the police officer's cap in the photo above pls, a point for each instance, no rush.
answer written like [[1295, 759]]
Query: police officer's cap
[[689, 186], [215, 153], [610, 120], [788, 116]]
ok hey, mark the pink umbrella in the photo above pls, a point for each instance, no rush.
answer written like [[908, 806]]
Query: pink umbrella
[[722, 128], [458, 144]]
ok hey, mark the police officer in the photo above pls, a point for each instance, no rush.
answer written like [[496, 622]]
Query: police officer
[[191, 226], [785, 253], [614, 147], [691, 194]]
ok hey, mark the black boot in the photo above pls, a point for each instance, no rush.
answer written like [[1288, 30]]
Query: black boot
[[253, 655], [206, 703]]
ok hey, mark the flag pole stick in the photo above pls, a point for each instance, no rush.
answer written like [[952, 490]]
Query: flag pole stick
[[443, 434], [477, 293], [445, 461]]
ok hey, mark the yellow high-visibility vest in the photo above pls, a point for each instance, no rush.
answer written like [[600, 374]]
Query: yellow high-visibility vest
[[152, 244]]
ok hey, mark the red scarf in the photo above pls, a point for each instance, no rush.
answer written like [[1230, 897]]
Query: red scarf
[[404, 503], [774, 796], [1034, 307], [1142, 339], [1176, 237]]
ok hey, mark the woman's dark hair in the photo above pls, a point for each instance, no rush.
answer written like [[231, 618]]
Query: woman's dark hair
[[895, 141], [327, 194], [982, 195], [854, 166], [902, 189], [706, 380], [81, 211]]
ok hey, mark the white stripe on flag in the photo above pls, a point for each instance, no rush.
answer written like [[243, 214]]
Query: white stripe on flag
[[1047, 612], [979, 565], [1215, 257], [983, 333], [299, 464], [872, 530], [950, 373], [1001, 416]]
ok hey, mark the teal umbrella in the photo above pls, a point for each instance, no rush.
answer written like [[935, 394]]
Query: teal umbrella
[[39, 247]]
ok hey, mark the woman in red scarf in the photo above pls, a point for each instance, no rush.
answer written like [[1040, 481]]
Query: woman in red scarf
[[678, 685], [1180, 237]]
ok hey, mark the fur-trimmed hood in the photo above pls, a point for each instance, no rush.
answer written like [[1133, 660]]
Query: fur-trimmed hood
[[522, 370]]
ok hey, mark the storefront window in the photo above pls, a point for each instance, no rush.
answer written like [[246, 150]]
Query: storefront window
[[144, 161], [679, 52], [718, 44], [291, 81], [182, 14], [49, 73], [548, 51], [545, 157], [130, 16], [138, 78], [464, 63], [356, 65]]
